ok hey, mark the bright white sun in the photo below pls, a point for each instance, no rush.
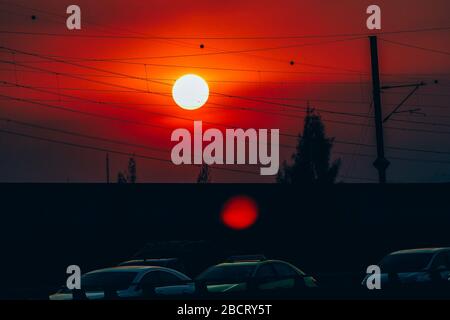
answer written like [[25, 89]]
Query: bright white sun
[[190, 92]]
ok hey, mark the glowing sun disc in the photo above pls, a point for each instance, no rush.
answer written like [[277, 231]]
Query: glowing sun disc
[[190, 92]]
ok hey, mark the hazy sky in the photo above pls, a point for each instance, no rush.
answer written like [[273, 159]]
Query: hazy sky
[[332, 73]]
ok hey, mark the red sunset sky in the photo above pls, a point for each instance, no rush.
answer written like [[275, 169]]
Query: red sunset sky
[[160, 40]]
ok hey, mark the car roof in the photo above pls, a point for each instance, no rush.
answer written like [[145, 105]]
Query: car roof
[[152, 259], [139, 261], [239, 263], [140, 270], [129, 269], [423, 250], [249, 263]]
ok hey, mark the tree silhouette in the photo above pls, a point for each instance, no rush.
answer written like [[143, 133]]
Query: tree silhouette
[[130, 176], [311, 160], [121, 178], [205, 174], [132, 171]]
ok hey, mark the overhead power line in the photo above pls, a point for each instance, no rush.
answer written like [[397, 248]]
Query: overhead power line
[[231, 38], [107, 150], [90, 114], [223, 52], [416, 47], [108, 140], [283, 83], [82, 135], [344, 71], [223, 69], [394, 158], [52, 106], [243, 98], [223, 125], [392, 147], [166, 84], [207, 122], [358, 178], [152, 81]]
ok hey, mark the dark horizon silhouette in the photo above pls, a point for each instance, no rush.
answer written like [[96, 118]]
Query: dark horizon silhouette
[[336, 230]]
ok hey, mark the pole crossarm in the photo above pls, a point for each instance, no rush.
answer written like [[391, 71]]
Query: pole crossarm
[[396, 110]]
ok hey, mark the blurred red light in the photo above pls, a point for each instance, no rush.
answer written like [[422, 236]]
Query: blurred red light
[[239, 213]]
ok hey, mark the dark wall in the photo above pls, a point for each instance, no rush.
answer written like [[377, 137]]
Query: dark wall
[[342, 228]]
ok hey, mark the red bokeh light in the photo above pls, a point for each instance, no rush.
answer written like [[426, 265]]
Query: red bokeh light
[[240, 212]]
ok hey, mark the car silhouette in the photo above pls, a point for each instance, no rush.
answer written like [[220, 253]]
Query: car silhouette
[[129, 282], [415, 267], [171, 263], [248, 274]]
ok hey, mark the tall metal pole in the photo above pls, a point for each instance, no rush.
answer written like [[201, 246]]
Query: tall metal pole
[[381, 163], [107, 168]]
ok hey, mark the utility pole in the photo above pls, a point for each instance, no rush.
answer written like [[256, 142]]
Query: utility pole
[[381, 163], [107, 168]]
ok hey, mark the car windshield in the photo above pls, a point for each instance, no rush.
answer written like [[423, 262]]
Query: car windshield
[[107, 280], [405, 262], [232, 273]]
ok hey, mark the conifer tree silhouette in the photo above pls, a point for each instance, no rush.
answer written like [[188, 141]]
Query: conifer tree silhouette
[[311, 160], [205, 174]]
